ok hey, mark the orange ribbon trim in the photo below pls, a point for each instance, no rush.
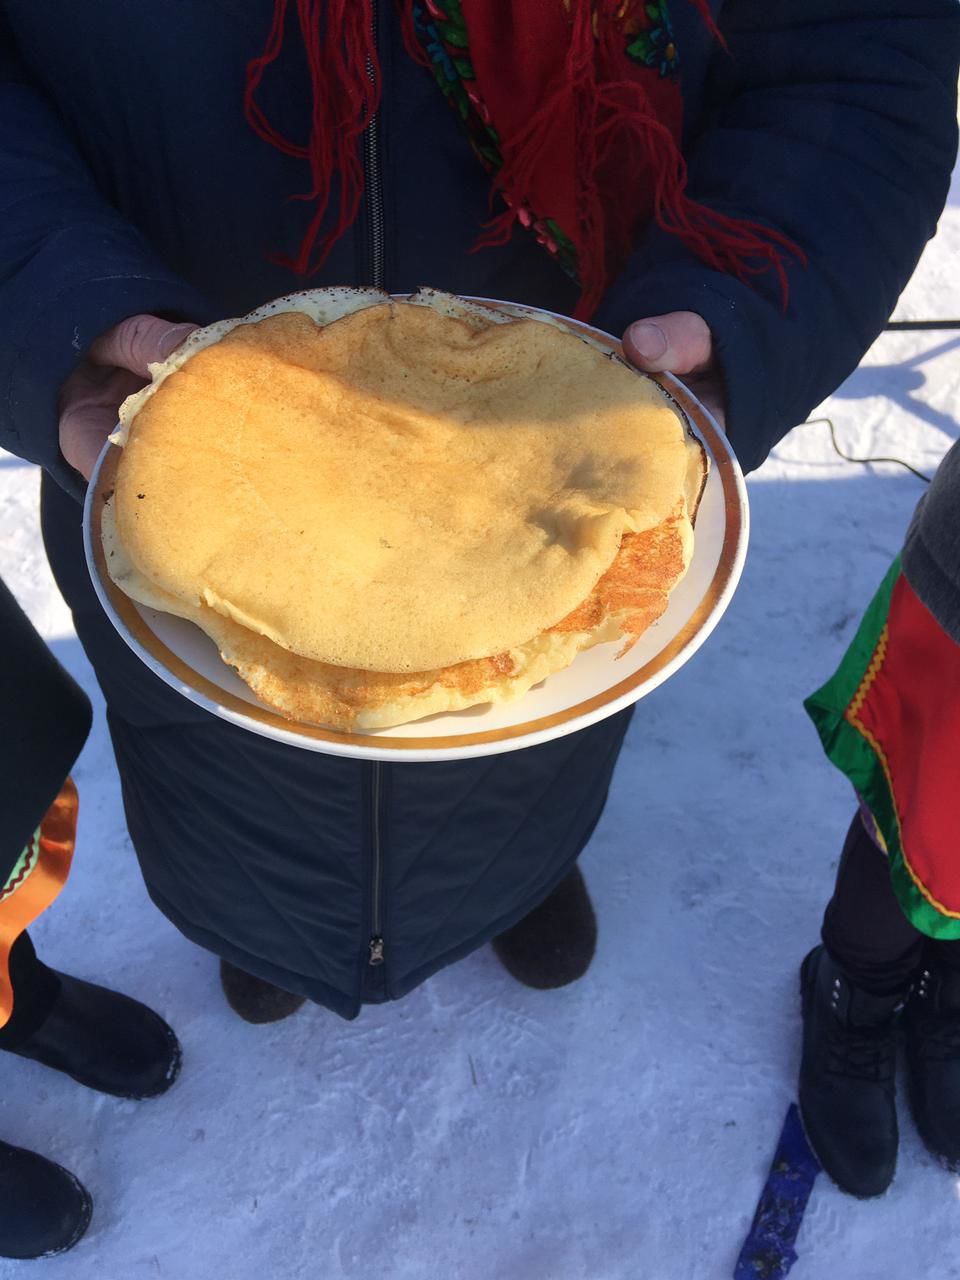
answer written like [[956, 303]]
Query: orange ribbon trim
[[58, 833]]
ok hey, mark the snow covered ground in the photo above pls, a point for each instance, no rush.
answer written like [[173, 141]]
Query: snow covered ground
[[618, 1130]]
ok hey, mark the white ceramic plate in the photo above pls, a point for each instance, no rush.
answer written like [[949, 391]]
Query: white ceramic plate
[[596, 685]]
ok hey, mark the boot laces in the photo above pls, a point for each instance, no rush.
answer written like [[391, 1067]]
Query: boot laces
[[864, 1053]]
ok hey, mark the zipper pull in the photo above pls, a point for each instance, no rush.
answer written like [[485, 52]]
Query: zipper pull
[[376, 951]]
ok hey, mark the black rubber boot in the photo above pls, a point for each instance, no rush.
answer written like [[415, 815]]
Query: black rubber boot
[[43, 1208], [105, 1040], [554, 944], [932, 1024], [847, 1077], [254, 999]]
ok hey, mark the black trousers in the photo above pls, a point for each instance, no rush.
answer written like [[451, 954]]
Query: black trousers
[[864, 927], [35, 988]]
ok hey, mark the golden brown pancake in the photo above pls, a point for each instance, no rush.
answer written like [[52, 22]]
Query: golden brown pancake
[[629, 598], [166, 549], [399, 490]]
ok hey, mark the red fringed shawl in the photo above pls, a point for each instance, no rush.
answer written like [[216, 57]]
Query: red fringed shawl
[[573, 106]]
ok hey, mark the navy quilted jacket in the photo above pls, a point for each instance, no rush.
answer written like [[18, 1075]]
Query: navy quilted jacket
[[129, 182]]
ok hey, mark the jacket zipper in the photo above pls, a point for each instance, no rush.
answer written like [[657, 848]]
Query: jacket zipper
[[373, 182], [375, 946], [373, 196]]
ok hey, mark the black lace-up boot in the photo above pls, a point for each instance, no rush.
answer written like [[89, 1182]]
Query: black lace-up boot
[[847, 1077], [932, 1023]]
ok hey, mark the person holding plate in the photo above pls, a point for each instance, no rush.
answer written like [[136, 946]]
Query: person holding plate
[[740, 187]]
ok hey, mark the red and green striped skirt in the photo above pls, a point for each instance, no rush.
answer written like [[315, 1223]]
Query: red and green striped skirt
[[889, 719]]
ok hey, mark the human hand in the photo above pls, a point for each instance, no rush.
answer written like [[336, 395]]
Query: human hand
[[114, 367], [679, 343]]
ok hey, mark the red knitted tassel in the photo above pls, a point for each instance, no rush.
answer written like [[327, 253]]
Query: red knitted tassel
[[703, 8], [345, 85], [604, 227], [408, 29], [616, 119], [616, 124]]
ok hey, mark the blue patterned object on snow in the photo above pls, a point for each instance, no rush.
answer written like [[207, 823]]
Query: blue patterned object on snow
[[768, 1252]]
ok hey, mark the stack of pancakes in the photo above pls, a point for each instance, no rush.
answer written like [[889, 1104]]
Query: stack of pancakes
[[381, 510]]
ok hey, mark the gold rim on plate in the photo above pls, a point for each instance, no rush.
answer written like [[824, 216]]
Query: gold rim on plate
[[146, 638]]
